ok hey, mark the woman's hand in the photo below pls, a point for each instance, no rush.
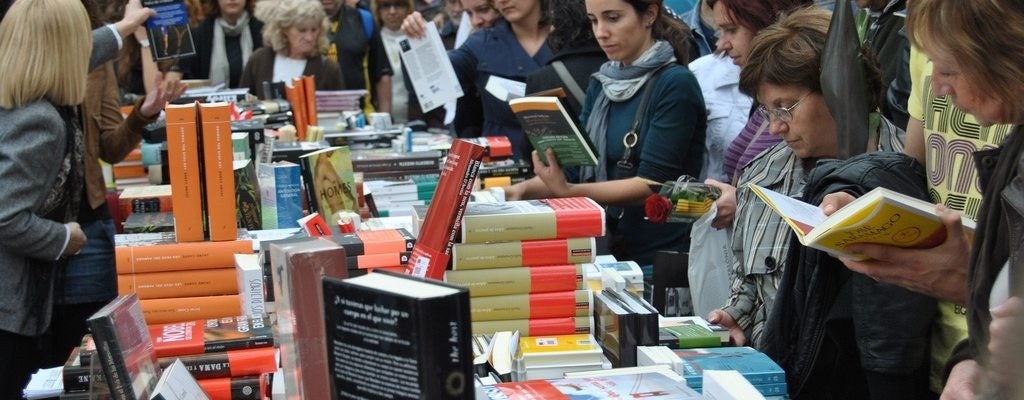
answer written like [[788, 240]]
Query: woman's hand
[[1006, 346], [164, 91], [76, 240], [723, 318], [834, 201], [414, 26], [726, 204], [962, 382], [551, 174]]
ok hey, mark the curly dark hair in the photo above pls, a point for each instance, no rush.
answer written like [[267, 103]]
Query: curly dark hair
[[573, 28]]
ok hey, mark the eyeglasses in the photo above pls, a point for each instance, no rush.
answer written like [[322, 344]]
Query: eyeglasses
[[783, 114], [397, 6]]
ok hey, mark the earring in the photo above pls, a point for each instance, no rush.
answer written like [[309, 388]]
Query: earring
[[648, 25]]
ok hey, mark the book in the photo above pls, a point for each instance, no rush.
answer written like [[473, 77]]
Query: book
[[420, 341], [538, 351], [364, 161], [370, 261], [212, 335], [502, 353], [720, 331], [880, 216], [298, 267], [280, 194], [752, 364], [516, 253], [615, 328], [183, 168], [251, 387], [535, 327], [225, 364], [218, 171], [631, 386], [176, 383], [496, 148], [169, 31], [577, 303], [147, 222], [387, 241], [502, 281], [249, 212], [178, 256], [161, 285], [687, 336], [433, 250], [547, 124], [533, 219], [728, 385], [147, 198], [163, 311], [249, 276], [125, 349], [330, 183]]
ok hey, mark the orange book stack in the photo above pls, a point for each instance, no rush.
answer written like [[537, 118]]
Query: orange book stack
[[182, 281], [522, 262]]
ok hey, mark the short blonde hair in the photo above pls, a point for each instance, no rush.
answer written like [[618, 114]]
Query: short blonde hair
[[44, 52], [279, 15]]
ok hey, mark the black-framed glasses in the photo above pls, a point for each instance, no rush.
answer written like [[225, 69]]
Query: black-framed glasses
[[783, 114], [397, 6]]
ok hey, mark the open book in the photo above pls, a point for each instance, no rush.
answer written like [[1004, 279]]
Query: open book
[[547, 125], [880, 216]]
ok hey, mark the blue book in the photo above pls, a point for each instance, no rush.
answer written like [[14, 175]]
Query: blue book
[[752, 364], [773, 389], [280, 194]]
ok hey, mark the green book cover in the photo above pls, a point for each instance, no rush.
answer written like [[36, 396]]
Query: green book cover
[[547, 125], [688, 336]]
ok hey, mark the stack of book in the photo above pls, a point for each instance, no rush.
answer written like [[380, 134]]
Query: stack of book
[[690, 332], [549, 357], [503, 173], [767, 377], [396, 165], [521, 261], [184, 281], [630, 272], [368, 250], [397, 198], [144, 199], [622, 322], [604, 385]]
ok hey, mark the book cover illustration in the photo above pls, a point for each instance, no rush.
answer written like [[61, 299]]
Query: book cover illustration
[[331, 183], [249, 213], [170, 36], [547, 125], [195, 337], [125, 349], [280, 194]]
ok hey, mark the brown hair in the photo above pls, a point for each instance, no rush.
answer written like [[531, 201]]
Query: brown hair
[[666, 28], [757, 14]]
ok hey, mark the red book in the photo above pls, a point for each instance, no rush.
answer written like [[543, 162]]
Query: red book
[[523, 252], [226, 364], [535, 327], [252, 387], [533, 219], [577, 303], [433, 249], [385, 241], [208, 336]]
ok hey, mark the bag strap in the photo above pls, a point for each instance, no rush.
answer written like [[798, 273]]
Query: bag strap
[[570, 83], [634, 137]]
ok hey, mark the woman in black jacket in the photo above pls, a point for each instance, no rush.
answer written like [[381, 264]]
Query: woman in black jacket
[[224, 41]]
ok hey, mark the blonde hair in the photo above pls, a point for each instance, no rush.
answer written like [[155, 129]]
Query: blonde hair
[[44, 52], [279, 15], [986, 38]]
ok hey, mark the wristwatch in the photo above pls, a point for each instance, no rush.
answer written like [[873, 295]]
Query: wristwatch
[[144, 43]]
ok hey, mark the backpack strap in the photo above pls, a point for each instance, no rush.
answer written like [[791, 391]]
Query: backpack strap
[[367, 23]]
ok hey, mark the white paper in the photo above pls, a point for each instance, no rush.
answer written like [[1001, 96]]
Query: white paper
[[505, 89], [45, 383], [431, 72], [795, 209]]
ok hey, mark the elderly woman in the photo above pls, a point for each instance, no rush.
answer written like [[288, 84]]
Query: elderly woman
[[41, 170], [296, 37], [837, 334], [978, 67], [224, 42]]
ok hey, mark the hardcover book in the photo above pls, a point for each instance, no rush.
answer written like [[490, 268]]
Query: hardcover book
[[687, 336], [169, 32], [280, 194], [631, 386], [880, 216], [330, 183], [161, 285], [248, 208], [433, 249], [578, 303], [218, 171], [535, 327], [371, 261], [547, 125], [515, 280], [212, 335], [183, 167], [386, 241], [252, 387], [179, 256], [420, 326], [226, 364], [125, 349], [165, 311], [249, 275], [533, 219], [522, 252], [615, 329], [752, 364], [149, 198]]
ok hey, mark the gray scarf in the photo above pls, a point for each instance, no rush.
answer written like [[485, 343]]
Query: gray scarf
[[618, 84], [220, 71]]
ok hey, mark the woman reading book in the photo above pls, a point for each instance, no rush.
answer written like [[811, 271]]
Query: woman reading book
[[44, 53], [836, 334], [645, 114]]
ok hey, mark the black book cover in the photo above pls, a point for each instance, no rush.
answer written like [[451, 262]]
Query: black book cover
[[125, 349], [615, 330], [398, 336]]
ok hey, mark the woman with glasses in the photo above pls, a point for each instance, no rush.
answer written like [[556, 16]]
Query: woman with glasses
[[838, 335], [390, 14]]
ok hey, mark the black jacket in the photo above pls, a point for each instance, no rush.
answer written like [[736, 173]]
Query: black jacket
[[581, 62], [198, 66], [839, 334]]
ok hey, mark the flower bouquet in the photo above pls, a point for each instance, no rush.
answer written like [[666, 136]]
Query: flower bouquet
[[680, 201]]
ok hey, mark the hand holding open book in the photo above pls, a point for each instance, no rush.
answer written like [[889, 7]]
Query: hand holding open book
[[880, 216]]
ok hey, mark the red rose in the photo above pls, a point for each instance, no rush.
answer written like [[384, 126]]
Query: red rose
[[657, 208]]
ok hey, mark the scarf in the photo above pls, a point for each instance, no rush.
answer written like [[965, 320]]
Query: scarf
[[619, 83], [220, 70]]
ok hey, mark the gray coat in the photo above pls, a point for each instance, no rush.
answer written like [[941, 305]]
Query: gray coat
[[32, 142]]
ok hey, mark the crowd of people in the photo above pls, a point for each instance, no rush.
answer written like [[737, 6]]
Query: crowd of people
[[736, 92]]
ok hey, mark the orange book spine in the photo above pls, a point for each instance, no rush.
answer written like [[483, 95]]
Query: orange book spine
[[128, 170], [183, 165], [218, 171], [535, 327], [294, 92], [236, 388], [229, 363], [161, 285], [165, 311], [179, 256], [309, 89]]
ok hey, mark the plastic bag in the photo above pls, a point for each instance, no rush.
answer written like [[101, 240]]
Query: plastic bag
[[711, 260]]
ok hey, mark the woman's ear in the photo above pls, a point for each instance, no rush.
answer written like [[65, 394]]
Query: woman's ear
[[651, 15]]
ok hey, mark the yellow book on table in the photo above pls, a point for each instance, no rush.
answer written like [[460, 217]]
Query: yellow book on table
[[537, 351], [880, 216]]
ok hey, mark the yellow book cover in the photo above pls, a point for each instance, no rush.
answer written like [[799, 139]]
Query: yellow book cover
[[536, 351], [880, 216]]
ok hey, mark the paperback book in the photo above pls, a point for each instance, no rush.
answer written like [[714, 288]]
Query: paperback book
[[533, 219], [125, 349], [329, 180], [548, 125], [210, 336], [169, 32]]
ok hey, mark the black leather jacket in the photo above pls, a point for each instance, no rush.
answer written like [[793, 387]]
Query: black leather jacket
[[839, 334]]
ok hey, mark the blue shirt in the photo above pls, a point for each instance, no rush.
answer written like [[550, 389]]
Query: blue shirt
[[672, 131], [496, 52]]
